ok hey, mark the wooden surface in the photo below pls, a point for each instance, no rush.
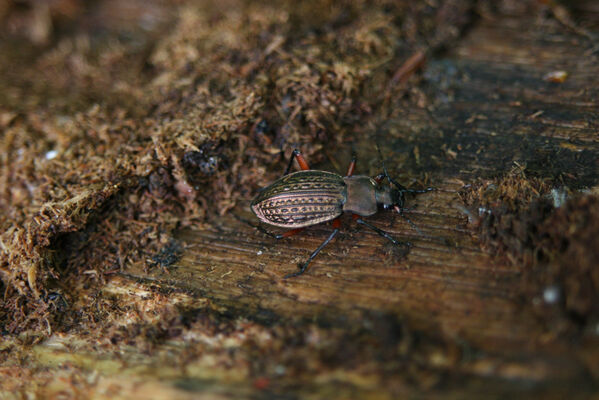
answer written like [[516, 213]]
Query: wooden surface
[[448, 319], [499, 112]]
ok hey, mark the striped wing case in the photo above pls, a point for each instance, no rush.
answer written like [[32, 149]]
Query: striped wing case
[[300, 199]]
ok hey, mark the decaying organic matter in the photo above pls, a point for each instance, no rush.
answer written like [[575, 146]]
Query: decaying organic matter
[[131, 131], [156, 132]]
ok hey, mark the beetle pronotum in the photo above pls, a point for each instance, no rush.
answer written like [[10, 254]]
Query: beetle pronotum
[[309, 197]]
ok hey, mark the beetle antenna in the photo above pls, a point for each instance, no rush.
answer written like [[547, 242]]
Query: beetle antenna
[[402, 189], [383, 162], [392, 181]]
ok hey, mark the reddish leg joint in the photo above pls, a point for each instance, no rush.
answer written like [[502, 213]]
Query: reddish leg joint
[[379, 178], [289, 233], [300, 160], [352, 166], [336, 223]]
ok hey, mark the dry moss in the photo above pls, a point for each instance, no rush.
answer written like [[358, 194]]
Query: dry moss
[[507, 211], [121, 124], [554, 241]]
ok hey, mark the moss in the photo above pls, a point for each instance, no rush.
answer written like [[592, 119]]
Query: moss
[[120, 124], [552, 235]]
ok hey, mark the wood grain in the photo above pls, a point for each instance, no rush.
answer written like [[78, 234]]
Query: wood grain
[[368, 320], [492, 109]]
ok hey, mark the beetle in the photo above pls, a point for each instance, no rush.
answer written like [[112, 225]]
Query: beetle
[[309, 197]]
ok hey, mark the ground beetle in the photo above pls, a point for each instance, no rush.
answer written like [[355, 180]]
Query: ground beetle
[[309, 197]]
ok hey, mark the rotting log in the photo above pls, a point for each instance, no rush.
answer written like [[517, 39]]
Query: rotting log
[[493, 109], [446, 319]]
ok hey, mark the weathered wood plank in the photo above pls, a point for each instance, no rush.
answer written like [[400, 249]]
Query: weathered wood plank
[[448, 319], [490, 107]]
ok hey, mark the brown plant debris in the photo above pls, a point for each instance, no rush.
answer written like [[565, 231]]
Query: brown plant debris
[[120, 123], [553, 235]]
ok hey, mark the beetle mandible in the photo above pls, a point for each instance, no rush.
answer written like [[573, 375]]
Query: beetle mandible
[[309, 197]]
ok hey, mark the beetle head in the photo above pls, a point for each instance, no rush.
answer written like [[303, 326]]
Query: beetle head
[[396, 192], [389, 196], [398, 197]]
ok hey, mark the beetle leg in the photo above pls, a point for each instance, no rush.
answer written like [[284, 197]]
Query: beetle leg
[[267, 232], [314, 254], [379, 178], [288, 233], [279, 235], [413, 225], [300, 160], [336, 223], [352, 165], [383, 233]]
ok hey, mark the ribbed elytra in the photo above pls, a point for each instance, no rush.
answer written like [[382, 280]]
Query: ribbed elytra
[[301, 199]]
